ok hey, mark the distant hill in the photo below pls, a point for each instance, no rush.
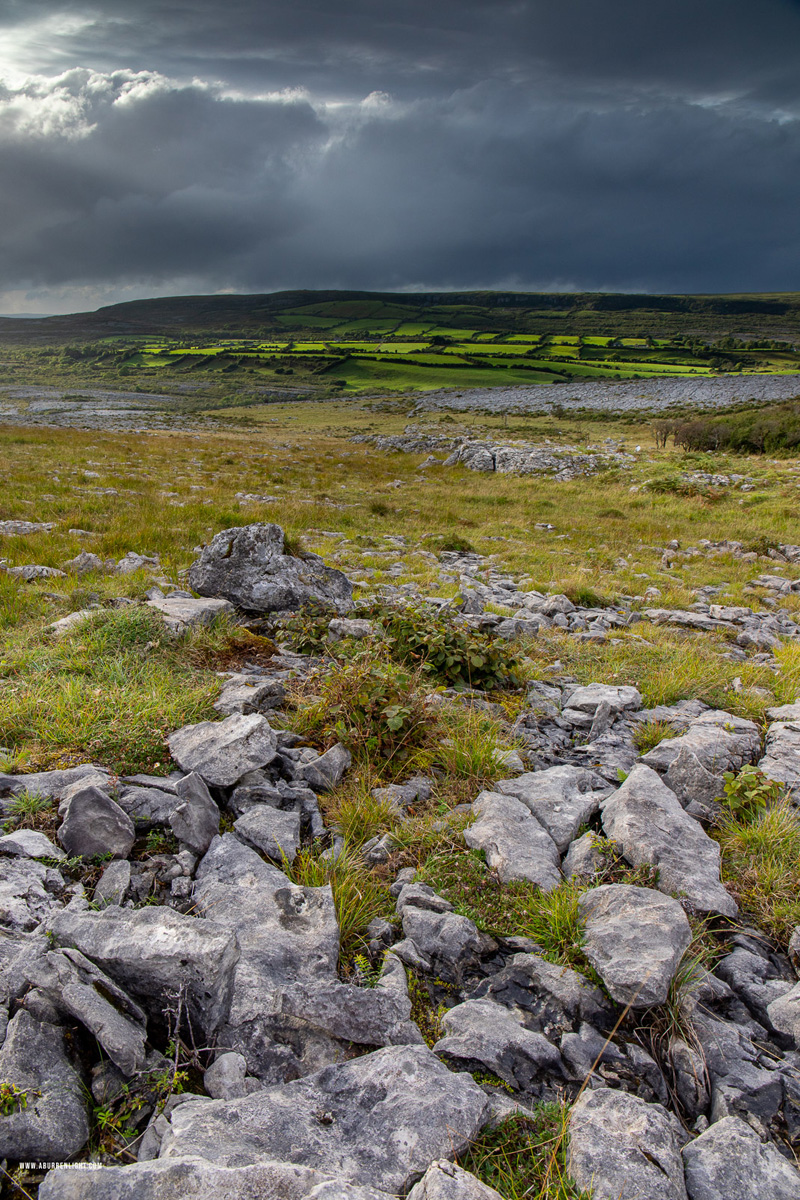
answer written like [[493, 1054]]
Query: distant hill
[[766, 315]]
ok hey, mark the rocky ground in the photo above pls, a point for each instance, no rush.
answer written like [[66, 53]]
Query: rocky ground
[[191, 1022], [653, 395]]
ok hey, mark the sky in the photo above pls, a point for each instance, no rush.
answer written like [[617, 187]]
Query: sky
[[191, 146]]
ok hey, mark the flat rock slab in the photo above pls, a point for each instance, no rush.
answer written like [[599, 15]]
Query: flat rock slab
[[561, 799], [243, 693], [274, 832], [619, 699], [625, 1149], [223, 751], [730, 1162], [48, 784], [648, 821], [54, 1125], [180, 613], [29, 843], [379, 1120], [720, 741], [635, 939], [248, 566], [480, 1031], [515, 844], [193, 1179], [154, 952]]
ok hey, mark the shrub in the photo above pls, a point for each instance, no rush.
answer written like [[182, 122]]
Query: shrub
[[452, 654], [747, 793]]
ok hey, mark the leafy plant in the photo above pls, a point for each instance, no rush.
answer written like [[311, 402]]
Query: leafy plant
[[749, 792], [307, 630], [12, 1098], [452, 654]]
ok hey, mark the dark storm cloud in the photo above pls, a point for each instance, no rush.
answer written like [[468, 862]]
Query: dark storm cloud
[[510, 143]]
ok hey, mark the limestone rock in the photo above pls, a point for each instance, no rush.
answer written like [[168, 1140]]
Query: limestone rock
[[94, 824], [54, 1123], [248, 566], [553, 998], [154, 952], [276, 834], [223, 751], [28, 892], [784, 1014], [325, 772], [515, 844], [645, 817], [28, 843], [624, 1148], [488, 1033], [182, 612], [635, 939], [730, 1162], [195, 820], [445, 1180], [561, 799], [378, 1120]]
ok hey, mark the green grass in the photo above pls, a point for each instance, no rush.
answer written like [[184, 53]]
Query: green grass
[[525, 1157], [761, 866]]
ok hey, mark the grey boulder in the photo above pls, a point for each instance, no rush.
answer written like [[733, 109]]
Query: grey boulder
[[625, 1149], [784, 1014], [719, 740], [195, 820], [49, 784], [223, 751], [447, 941], [249, 567], [77, 987], [94, 824], [29, 843], [53, 1123], [274, 832], [113, 884], [552, 998], [182, 612], [378, 1121], [155, 954], [647, 820], [480, 1031], [327, 771], [634, 939], [515, 844], [730, 1162], [561, 798], [242, 693], [28, 892]]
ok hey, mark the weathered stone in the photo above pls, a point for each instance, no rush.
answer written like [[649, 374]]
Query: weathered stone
[[48, 784], [195, 821], [420, 895], [619, 699], [74, 620], [196, 1179], [113, 884], [84, 563], [379, 1120], [445, 1180], [553, 998], [54, 1123], [719, 740], [29, 843], [148, 805], [154, 953], [561, 799], [646, 818], [243, 693], [625, 1149], [249, 567], [28, 891], [784, 1014], [77, 987], [730, 1162], [344, 627], [635, 939], [691, 781], [488, 1033], [449, 942], [327, 771], [781, 760], [94, 824], [755, 979], [223, 751], [515, 844], [584, 860], [224, 1079], [182, 612], [274, 833]]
